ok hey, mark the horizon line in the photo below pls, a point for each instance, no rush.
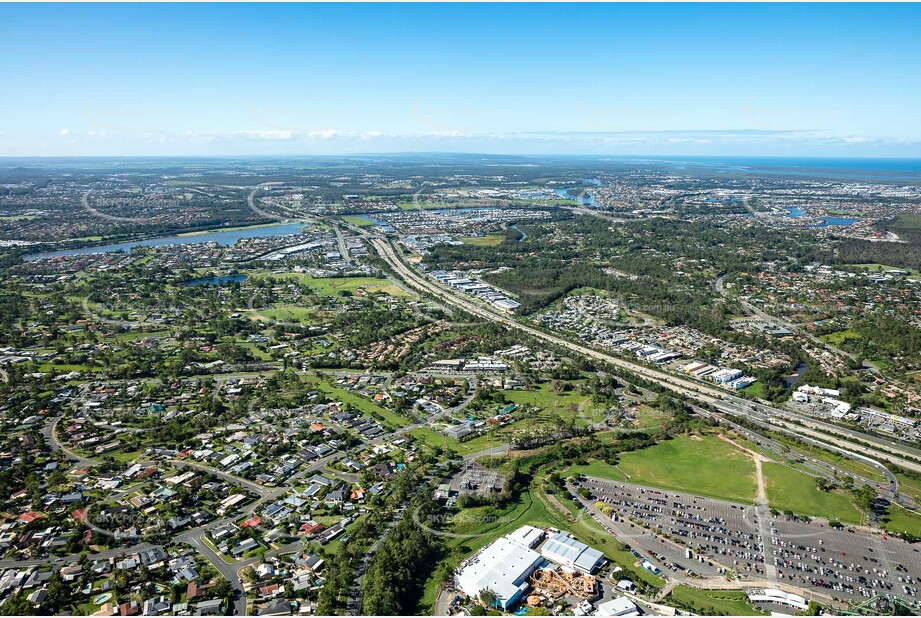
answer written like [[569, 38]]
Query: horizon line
[[462, 153]]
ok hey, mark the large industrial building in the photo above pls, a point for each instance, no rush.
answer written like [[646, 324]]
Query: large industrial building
[[505, 566], [571, 554]]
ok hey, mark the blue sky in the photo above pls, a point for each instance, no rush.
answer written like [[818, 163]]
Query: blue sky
[[716, 79]]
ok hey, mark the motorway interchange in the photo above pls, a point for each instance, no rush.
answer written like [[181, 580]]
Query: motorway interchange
[[769, 553], [830, 436], [802, 555]]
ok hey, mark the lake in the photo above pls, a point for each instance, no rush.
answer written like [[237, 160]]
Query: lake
[[226, 238], [795, 213], [587, 198], [793, 379]]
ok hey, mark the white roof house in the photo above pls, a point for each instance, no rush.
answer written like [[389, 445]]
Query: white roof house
[[568, 552], [503, 568]]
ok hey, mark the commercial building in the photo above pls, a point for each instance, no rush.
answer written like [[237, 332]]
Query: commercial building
[[527, 536], [566, 551], [726, 375], [742, 382], [503, 568], [506, 304], [620, 606], [775, 596]]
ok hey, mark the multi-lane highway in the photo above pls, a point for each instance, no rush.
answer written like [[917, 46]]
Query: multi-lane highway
[[844, 439]]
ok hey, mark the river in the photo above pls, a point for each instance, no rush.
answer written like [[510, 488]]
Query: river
[[226, 238], [515, 227], [214, 280]]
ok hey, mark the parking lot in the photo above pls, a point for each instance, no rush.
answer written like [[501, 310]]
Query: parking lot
[[847, 564]]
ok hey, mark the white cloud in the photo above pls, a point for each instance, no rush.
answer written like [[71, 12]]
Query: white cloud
[[270, 134], [64, 132], [320, 134]]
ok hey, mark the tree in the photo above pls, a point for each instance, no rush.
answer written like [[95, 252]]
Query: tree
[[814, 609], [58, 593], [488, 598], [223, 590], [33, 488], [865, 497], [57, 479]]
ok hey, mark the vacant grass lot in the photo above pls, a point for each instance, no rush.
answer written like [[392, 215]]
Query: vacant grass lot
[[789, 490], [434, 437], [484, 241], [552, 408], [570, 405], [480, 443], [755, 390], [912, 273], [383, 415], [909, 486], [596, 468], [840, 337], [332, 286], [900, 520], [284, 314], [648, 417], [707, 466], [359, 220], [714, 602], [420, 205]]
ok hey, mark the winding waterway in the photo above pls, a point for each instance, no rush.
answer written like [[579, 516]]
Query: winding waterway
[[226, 238]]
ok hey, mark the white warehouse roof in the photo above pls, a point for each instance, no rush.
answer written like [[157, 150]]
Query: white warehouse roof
[[619, 606], [503, 567], [526, 536], [567, 551]]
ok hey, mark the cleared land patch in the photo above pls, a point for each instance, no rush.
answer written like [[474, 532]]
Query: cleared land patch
[[484, 241], [359, 220], [598, 469], [714, 602], [706, 466], [332, 286], [789, 490], [899, 520]]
